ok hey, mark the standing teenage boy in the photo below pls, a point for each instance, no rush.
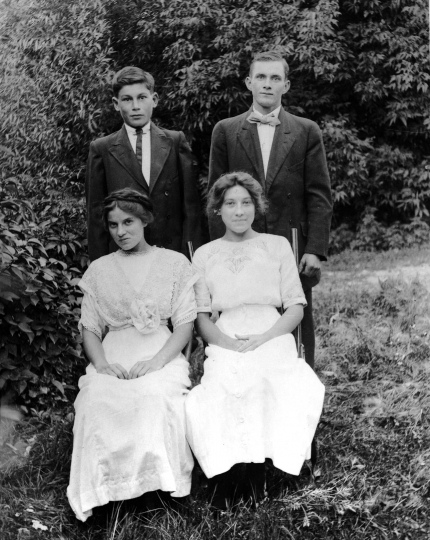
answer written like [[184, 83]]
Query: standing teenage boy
[[286, 155], [146, 158]]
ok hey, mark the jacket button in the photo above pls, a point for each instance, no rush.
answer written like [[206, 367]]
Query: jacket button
[[289, 196], [168, 216], [166, 193], [290, 221]]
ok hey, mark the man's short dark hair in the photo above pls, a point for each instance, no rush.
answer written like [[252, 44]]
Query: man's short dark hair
[[132, 75], [270, 56]]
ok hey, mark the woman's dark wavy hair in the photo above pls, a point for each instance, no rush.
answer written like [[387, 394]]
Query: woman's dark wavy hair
[[131, 201], [239, 178]]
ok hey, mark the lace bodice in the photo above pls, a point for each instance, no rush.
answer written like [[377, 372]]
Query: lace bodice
[[259, 271], [114, 299]]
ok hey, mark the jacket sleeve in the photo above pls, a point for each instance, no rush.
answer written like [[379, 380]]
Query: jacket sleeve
[[318, 195], [218, 165], [95, 192], [191, 208]]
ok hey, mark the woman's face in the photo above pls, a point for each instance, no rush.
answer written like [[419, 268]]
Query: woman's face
[[125, 229], [237, 210]]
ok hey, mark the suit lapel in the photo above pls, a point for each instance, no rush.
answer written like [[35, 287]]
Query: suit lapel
[[248, 137], [160, 149], [123, 152], [282, 144]]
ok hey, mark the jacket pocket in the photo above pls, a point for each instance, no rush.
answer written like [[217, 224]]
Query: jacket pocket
[[296, 166]]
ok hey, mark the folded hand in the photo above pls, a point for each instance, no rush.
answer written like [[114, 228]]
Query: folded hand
[[143, 368], [250, 342], [114, 370]]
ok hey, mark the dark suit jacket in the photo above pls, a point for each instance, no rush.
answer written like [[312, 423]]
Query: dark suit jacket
[[113, 165], [297, 184]]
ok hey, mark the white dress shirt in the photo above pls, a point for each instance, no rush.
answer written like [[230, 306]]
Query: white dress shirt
[[146, 148], [265, 136]]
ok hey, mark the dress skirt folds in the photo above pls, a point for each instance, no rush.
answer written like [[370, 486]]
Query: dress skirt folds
[[260, 404], [129, 435], [250, 406]]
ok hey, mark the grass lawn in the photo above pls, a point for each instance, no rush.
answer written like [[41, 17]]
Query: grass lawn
[[373, 476]]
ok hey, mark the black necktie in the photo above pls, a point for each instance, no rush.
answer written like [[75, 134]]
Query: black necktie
[[139, 133]]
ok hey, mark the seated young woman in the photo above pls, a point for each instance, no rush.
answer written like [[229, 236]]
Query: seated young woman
[[129, 430], [257, 399]]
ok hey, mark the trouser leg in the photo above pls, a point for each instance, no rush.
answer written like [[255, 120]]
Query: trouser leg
[[308, 332], [243, 481], [221, 490], [255, 481]]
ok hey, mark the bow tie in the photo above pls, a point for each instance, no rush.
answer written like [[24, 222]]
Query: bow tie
[[268, 119]]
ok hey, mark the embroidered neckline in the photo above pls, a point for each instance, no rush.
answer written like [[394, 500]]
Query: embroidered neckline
[[123, 253], [242, 241]]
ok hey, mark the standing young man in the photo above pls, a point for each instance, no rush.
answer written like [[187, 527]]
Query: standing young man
[[286, 155], [146, 158]]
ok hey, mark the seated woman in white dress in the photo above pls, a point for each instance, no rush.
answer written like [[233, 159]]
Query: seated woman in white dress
[[129, 430], [256, 399]]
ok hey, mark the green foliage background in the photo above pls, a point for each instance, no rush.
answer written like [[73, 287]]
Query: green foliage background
[[358, 67]]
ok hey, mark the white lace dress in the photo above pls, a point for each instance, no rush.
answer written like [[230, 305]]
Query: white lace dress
[[260, 404], [129, 435]]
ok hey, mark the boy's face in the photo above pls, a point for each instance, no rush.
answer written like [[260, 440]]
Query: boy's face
[[135, 104], [267, 83]]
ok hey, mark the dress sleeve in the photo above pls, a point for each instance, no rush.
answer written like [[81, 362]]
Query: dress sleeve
[[185, 311], [90, 317], [203, 297], [184, 305], [291, 287]]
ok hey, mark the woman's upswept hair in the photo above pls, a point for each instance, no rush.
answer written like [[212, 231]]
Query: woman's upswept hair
[[226, 181], [131, 201]]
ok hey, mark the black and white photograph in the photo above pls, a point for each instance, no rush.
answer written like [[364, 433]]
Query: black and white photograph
[[214, 270]]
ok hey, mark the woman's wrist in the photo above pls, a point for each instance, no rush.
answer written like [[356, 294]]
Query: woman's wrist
[[269, 334], [100, 363], [228, 342], [160, 361]]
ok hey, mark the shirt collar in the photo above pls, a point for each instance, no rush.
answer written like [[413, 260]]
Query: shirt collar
[[132, 131], [274, 113]]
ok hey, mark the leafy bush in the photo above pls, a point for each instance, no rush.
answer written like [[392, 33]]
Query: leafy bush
[[55, 68], [42, 250], [372, 235]]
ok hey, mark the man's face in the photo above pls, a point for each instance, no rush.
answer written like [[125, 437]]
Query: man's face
[[267, 84], [135, 104]]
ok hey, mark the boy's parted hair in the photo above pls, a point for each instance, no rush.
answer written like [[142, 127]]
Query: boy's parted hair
[[226, 181], [131, 201], [131, 75], [270, 56]]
